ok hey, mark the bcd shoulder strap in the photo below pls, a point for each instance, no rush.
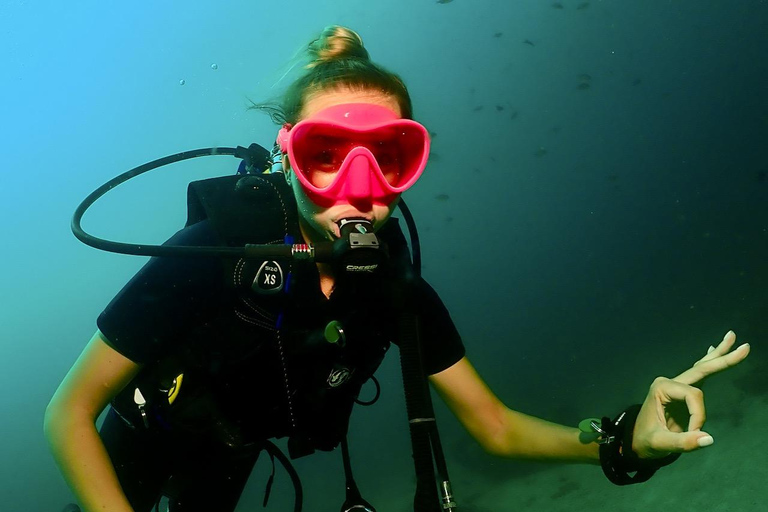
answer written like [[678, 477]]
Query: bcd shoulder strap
[[255, 209]]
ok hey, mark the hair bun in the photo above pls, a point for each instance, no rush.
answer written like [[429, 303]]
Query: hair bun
[[336, 43]]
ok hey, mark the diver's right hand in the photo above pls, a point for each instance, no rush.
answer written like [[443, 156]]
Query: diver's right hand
[[673, 413]]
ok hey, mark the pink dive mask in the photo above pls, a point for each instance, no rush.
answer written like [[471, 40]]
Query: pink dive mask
[[355, 151]]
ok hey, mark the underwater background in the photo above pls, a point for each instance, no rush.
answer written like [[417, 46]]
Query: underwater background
[[594, 215]]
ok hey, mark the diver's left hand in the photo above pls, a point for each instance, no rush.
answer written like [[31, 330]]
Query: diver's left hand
[[673, 413]]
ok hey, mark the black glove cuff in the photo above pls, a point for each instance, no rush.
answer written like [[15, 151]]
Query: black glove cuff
[[616, 456]]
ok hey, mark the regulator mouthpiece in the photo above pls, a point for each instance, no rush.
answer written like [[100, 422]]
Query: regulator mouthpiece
[[358, 250]]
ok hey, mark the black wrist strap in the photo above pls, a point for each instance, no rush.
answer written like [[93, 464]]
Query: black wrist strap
[[616, 456]]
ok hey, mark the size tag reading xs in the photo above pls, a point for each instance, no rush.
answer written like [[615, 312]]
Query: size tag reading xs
[[269, 278]]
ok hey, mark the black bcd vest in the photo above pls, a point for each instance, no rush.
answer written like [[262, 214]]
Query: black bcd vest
[[264, 366]]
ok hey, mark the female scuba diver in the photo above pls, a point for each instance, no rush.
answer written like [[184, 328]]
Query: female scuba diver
[[201, 372]]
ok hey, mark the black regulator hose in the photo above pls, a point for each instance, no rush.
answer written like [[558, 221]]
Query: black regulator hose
[[414, 236], [151, 250]]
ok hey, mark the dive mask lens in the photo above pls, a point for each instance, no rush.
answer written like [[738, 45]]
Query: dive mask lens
[[400, 150]]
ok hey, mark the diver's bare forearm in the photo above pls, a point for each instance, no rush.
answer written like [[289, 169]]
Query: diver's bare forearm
[[84, 462]]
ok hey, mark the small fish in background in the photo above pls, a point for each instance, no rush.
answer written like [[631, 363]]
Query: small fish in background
[[442, 197], [514, 115], [477, 108], [582, 6], [585, 82], [498, 34], [761, 176], [499, 108], [433, 134], [433, 157], [557, 5], [556, 129], [637, 81], [542, 151], [528, 42], [444, 1], [449, 219], [612, 178]]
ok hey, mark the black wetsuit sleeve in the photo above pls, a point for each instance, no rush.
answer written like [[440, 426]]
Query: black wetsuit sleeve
[[441, 343], [166, 298]]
